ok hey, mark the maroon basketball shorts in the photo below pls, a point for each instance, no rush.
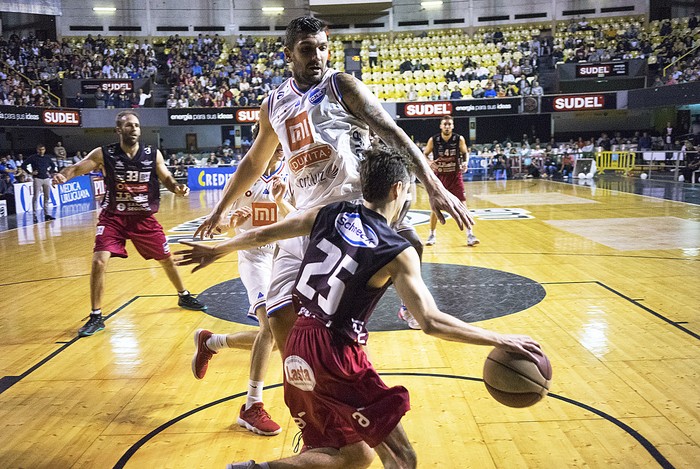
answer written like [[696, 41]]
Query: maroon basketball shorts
[[453, 183], [334, 394], [144, 231]]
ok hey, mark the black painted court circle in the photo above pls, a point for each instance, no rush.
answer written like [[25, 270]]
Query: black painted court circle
[[469, 293]]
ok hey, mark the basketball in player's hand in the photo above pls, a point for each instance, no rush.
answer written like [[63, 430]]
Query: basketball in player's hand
[[515, 380]]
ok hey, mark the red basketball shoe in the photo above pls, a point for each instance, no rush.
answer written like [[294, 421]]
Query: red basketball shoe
[[202, 354], [257, 420]]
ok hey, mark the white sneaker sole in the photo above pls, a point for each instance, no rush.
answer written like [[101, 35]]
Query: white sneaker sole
[[256, 430]]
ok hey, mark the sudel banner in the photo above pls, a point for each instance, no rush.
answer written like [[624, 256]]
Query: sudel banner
[[16, 116]]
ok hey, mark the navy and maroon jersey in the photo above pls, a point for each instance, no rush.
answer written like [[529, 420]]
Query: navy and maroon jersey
[[349, 243], [131, 184], [446, 154]]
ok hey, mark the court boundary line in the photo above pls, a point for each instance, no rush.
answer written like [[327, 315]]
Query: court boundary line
[[646, 444], [635, 302], [6, 382]]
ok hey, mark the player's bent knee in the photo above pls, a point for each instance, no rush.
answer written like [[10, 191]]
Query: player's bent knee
[[357, 456]]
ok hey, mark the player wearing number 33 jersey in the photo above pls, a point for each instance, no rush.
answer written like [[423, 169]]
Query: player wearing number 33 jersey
[[349, 244]]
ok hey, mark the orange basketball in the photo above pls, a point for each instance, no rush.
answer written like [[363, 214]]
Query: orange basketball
[[516, 381]]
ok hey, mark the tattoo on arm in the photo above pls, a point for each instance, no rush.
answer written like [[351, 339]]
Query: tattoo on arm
[[360, 101]]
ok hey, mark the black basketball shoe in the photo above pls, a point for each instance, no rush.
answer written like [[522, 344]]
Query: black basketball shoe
[[94, 324], [190, 302]]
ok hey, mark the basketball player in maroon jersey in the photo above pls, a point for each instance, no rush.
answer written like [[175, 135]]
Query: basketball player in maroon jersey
[[447, 153], [132, 173], [341, 405]]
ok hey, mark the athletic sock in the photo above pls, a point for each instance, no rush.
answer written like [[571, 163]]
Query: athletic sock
[[255, 390], [96, 312], [469, 232], [216, 342], [183, 293], [432, 232]]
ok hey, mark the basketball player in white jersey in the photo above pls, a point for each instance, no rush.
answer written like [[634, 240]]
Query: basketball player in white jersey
[[259, 206], [322, 118]]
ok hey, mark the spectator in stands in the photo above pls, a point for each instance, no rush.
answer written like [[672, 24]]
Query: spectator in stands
[[212, 160], [456, 93], [7, 192], [445, 92], [8, 167], [373, 54], [171, 101], [189, 160], [100, 98], [123, 101], [143, 97], [536, 89], [111, 99], [133, 100], [78, 102], [478, 91], [550, 166], [692, 163], [77, 157], [60, 155]]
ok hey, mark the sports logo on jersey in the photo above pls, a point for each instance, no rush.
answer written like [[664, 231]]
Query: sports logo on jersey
[[350, 227], [264, 213], [299, 131], [309, 157], [316, 96], [298, 373]]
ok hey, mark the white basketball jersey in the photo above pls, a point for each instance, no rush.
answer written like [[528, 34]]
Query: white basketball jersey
[[259, 199], [322, 141]]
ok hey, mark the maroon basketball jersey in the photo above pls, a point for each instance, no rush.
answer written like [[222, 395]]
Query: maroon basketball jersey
[[131, 184], [349, 243], [446, 154]]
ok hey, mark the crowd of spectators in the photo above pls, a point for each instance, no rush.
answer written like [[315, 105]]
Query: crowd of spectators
[[31, 68], [207, 72]]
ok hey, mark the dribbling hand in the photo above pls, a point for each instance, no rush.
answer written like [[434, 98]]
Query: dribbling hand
[[522, 345]]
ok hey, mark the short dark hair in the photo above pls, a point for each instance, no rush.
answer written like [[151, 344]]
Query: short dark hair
[[447, 118], [382, 167], [304, 25], [125, 113]]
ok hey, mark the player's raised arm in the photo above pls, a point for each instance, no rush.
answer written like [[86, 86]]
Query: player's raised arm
[[91, 162], [251, 167], [297, 224], [363, 104]]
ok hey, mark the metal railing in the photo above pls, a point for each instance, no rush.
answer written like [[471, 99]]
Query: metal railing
[[663, 72], [33, 82]]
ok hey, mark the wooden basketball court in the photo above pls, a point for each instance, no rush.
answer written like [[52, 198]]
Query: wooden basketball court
[[619, 322]]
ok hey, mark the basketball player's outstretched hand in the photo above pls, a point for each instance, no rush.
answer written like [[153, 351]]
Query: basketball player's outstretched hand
[[208, 227], [442, 199], [522, 345], [199, 254]]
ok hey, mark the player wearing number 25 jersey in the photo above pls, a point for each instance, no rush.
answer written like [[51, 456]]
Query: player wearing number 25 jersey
[[349, 244]]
